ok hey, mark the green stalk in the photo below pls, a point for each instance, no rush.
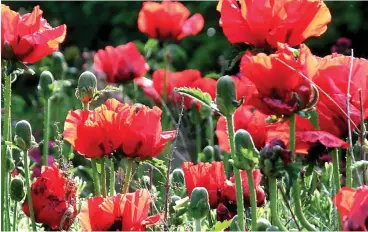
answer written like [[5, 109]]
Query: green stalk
[[5, 135], [29, 196], [336, 170], [96, 178], [127, 177], [349, 172], [253, 199], [103, 177], [166, 61], [198, 138], [275, 219], [210, 125], [15, 216], [112, 178], [230, 129], [197, 225], [238, 183], [296, 186], [46, 132]]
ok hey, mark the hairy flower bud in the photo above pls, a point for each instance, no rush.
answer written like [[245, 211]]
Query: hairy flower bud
[[262, 224], [87, 87], [226, 96], [199, 205], [46, 79], [59, 65], [17, 189], [178, 182], [246, 156], [23, 135], [208, 154]]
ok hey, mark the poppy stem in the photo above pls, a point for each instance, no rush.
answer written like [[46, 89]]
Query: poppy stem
[[112, 178], [103, 177], [198, 138], [96, 178], [272, 188], [296, 186], [211, 129], [29, 196], [6, 137], [253, 198], [238, 183], [336, 171], [127, 177], [15, 216], [349, 172], [85, 106], [166, 61], [197, 225], [46, 132]]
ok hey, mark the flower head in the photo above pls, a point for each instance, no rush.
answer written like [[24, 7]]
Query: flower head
[[120, 64], [168, 20], [29, 37], [54, 199], [127, 212], [265, 23]]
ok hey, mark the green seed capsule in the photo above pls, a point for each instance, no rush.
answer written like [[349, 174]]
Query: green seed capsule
[[17, 189], [226, 96], [199, 205], [246, 155], [23, 135]]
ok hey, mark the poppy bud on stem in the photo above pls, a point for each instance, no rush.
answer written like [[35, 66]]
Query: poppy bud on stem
[[199, 206], [16, 194], [23, 139], [87, 88]]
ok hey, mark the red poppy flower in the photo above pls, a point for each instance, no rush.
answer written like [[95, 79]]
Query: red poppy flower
[[142, 134], [120, 64], [281, 90], [127, 212], [306, 135], [265, 23], [96, 133], [229, 192], [353, 208], [333, 79], [54, 199], [244, 88], [168, 20], [247, 118], [210, 176], [30, 36], [187, 78]]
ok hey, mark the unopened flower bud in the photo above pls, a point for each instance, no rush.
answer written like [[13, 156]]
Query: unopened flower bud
[[17, 189], [262, 224], [246, 156], [23, 135], [272, 228], [226, 96], [209, 154], [46, 79], [87, 87], [199, 205], [178, 182], [173, 204]]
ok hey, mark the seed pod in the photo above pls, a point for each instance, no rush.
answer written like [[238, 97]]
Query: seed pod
[[17, 189], [226, 96], [209, 153], [199, 205], [87, 87], [246, 156], [23, 135], [46, 79]]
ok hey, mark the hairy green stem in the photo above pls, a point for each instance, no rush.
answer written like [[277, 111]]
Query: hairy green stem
[[238, 182], [296, 186], [197, 225], [272, 188], [28, 184], [112, 178], [127, 177], [210, 125], [96, 178], [198, 138], [15, 216], [103, 177], [349, 171], [230, 129], [336, 170], [253, 199], [46, 132]]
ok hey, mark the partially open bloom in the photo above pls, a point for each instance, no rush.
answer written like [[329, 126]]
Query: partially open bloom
[[210, 176], [54, 199], [333, 79], [281, 90], [28, 38], [353, 208], [265, 23], [120, 64], [247, 118], [188, 78], [229, 192], [127, 212], [168, 20], [95, 133]]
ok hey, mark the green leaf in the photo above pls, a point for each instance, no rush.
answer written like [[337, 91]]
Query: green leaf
[[157, 164], [198, 95], [221, 226], [212, 75], [314, 119], [251, 155], [150, 46], [360, 164], [110, 88]]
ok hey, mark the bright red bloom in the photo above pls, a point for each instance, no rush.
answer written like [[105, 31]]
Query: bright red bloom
[[96, 133], [210, 176], [168, 20], [306, 135], [229, 192], [244, 88], [281, 90], [247, 118], [53, 197], [332, 78], [142, 134], [353, 208], [265, 23], [30, 36], [120, 64], [127, 212], [187, 78]]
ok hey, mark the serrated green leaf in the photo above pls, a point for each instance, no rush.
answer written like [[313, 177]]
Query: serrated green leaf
[[197, 94], [157, 164], [221, 226]]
